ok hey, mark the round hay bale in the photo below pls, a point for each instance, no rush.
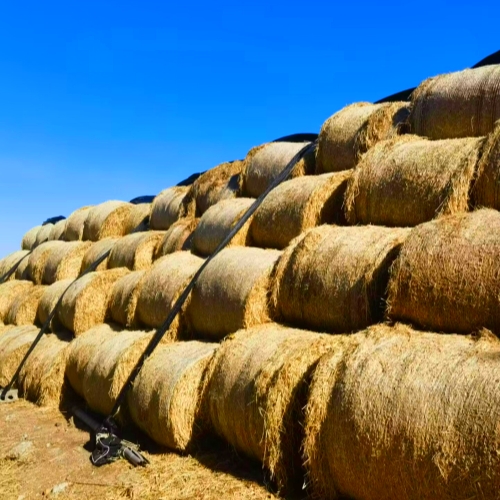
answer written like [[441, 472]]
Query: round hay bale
[[344, 267], [217, 222], [297, 205], [83, 349], [406, 415], [257, 392], [462, 104], [57, 231], [135, 251], [265, 163], [353, 130], [445, 278], [167, 207], [9, 292], [124, 297], [107, 372], [38, 258], [95, 251], [65, 262], [75, 224], [48, 301], [30, 237], [232, 292], [409, 180], [162, 285], [25, 305], [139, 218], [10, 260], [43, 234], [178, 237], [85, 304], [166, 400], [111, 218], [41, 379], [21, 270]]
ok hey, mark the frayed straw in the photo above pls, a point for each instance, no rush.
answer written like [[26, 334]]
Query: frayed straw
[[124, 297], [48, 301], [135, 251], [97, 249], [10, 260], [25, 306], [111, 218], [39, 257], [167, 207], [9, 292], [178, 237], [65, 262]]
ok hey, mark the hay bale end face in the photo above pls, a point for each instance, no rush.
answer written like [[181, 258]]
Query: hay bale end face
[[167, 207], [98, 249], [167, 398], [24, 308], [297, 205], [344, 267], [124, 297], [39, 257], [454, 105], [410, 180], [48, 301], [10, 260], [178, 237], [29, 238], [65, 262], [232, 292], [9, 292], [111, 218], [75, 223]]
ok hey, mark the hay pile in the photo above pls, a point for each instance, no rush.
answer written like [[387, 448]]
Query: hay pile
[[232, 292], [445, 278], [42, 377], [124, 296], [178, 237], [85, 304], [297, 205], [43, 234], [38, 258], [344, 267], [167, 207], [57, 232], [65, 262], [353, 130], [135, 251], [95, 251], [167, 398], [410, 180], [25, 306], [73, 230], [217, 222], [263, 165], [10, 260], [48, 301], [111, 218], [462, 104], [486, 192], [406, 415], [29, 238], [161, 287], [9, 292]]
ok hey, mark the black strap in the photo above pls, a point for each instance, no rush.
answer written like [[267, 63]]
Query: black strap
[[13, 269]]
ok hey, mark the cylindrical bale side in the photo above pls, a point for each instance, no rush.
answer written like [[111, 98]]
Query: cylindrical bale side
[[29, 238], [139, 218], [111, 218], [65, 262], [334, 278], [43, 235], [297, 205], [58, 230], [167, 207], [75, 224], [9, 292], [25, 306], [38, 258], [10, 260], [97, 249], [178, 237], [232, 292], [135, 251], [124, 297], [48, 301], [409, 180]]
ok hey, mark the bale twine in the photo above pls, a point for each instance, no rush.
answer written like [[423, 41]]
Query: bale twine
[[10, 260], [124, 296], [48, 301], [219, 183], [41, 379], [83, 349], [57, 231], [344, 267], [462, 104], [95, 251], [111, 218], [65, 263], [135, 251], [162, 285], [297, 205], [167, 398], [217, 222], [409, 180], [178, 237], [29, 238], [38, 258], [445, 278], [167, 207], [263, 165], [75, 224], [24, 307], [108, 370], [43, 234], [86, 303], [232, 292], [406, 415], [9, 292]]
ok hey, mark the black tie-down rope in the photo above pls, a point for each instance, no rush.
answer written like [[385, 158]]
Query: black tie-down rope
[[5, 277]]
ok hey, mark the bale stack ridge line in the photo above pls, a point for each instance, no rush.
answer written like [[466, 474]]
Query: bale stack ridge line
[[167, 207], [29, 238], [409, 180], [10, 260], [178, 237], [24, 308], [124, 297], [49, 299], [38, 258], [75, 224], [406, 415], [97, 249], [9, 292], [65, 262], [111, 218]]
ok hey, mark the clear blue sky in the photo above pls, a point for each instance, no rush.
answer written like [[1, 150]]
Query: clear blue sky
[[112, 100]]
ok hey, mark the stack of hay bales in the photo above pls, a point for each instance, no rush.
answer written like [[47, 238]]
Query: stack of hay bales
[[167, 207], [73, 231], [98, 249], [49, 300], [109, 219], [38, 258], [8, 262], [9, 292], [135, 251], [23, 310], [178, 237], [29, 238], [124, 297], [65, 261]]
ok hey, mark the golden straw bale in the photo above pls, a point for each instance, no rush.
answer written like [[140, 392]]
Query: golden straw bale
[[65, 262], [12, 259], [486, 191], [38, 258], [167, 398], [111, 218], [297, 205], [409, 180], [453, 105], [73, 230], [139, 217], [406, 415], [135, 251], [48, 301], [21, 270], [85, 304], [97, 249], [124, 296], [30, 237], [25, 306], [217, 222], [9, 292], [167, 207], [57, 231], [43, 235], [344, 267], [162, 285], [178, 237], [232, 292]]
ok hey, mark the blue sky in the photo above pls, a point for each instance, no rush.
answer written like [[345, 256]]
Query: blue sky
[[112, 100]]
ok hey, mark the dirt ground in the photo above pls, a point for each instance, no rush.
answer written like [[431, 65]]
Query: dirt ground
[[43, 455]]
